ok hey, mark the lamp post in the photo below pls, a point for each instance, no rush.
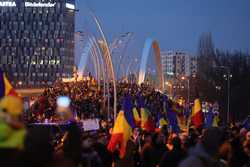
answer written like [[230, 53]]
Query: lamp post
[[168, 84], [227, 77], [188, 88]]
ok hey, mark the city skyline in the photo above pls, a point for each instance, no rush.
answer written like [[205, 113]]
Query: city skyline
[[176, 24]]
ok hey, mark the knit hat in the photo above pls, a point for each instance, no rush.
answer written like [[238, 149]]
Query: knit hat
[[12, 105]]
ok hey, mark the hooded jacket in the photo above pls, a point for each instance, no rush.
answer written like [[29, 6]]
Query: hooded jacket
[[198, 157]]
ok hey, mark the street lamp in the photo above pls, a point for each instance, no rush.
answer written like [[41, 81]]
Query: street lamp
[[188, 88], [168, 84], [227, 77]]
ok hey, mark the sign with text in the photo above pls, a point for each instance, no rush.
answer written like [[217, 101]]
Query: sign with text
[[39, 4], [90, 124], [29, 4], [7, 4]]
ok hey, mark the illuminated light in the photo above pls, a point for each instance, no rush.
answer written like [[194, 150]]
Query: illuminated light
[[63, 101], [7, 4], [70, 6], [33, 4]]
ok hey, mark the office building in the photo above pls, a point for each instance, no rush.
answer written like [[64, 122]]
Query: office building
[[177, 64], [37, 40]]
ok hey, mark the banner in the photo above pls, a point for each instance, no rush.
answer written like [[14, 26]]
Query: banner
[[90, 124]]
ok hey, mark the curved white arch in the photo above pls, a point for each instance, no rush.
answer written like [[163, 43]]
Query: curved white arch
[[150, 43], [108, 58], [84, 57]]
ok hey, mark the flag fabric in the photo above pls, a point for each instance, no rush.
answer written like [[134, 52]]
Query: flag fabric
[[209, 118], [172, 117], [180, 115], [147, 123], [140, 101], [161, 121], [187, 111], [181, 121], [5, 87], [173, 122], [121, 133], [144, 117], [136, 116], [127, 107], [216, 120], [197, 116]]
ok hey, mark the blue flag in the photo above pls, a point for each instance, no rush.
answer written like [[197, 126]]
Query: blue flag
[[127, 107], [209, 117], [172, 119]]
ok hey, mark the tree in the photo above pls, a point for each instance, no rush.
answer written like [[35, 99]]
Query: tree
[[210, 77]]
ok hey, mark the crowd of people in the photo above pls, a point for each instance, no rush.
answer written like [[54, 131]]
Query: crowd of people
[[89, 100], [23, 145]]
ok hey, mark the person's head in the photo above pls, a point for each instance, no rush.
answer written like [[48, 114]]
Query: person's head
[[176, 143], [147, 138], [183, 137], [246, 147], [235, 131], [212, 139], [160, 138], [164, 130]]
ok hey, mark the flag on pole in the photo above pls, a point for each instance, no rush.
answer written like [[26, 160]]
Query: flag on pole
[[197, 115], [161, 121], [209, 117], [127, 107], [173, 122], [121, 133], [147, 123], [216, 120], [136, 116], [5, 87]]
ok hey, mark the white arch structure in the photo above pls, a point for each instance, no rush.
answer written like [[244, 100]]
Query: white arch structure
[[101, 59], [150, 43]]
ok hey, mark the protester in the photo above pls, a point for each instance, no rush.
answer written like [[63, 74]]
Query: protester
[[175, 156], [205, 152], [12, 131]]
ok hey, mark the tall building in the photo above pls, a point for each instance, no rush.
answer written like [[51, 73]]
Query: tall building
[[178, 64], [37, 40]]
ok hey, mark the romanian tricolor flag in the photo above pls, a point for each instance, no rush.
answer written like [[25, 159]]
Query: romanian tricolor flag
[[173, 121], [121, 133], [216, 120], [197, 115], [147, 123], [127, 107], [136, 116], [5, 87], [123, 126], [208, 118], [161, 121]]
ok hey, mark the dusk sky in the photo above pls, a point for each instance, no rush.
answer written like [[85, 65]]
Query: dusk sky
[[176, 24]]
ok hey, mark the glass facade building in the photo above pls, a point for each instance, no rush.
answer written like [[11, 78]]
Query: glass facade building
[[37, 40]]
